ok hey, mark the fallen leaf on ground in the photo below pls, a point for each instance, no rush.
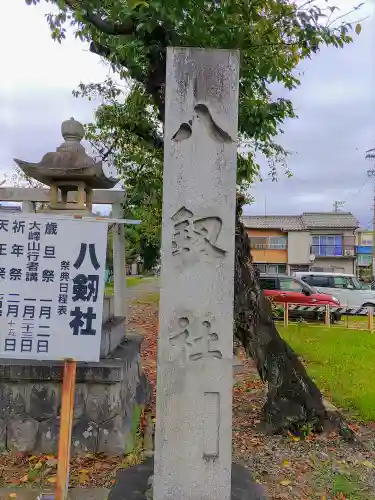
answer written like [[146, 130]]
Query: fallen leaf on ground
[[368, 464], [52, 479], [83, 478], [285, 482]]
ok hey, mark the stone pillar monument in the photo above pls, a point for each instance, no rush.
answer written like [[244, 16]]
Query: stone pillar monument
[[195, 352]]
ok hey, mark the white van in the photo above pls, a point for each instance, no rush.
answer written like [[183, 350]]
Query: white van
[[345, 287]]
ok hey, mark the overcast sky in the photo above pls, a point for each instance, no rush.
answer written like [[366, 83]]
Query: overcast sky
[[335, 105]]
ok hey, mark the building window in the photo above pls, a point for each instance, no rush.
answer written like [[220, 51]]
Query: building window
[[258, 243], [278, 243], [271, 268], [281, 269], [299, 267], [269, 242], [366, 240], [364, 260], [261, 267], [327, 246]]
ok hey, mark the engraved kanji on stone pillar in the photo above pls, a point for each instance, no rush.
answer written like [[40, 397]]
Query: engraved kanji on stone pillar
[[195, 351]]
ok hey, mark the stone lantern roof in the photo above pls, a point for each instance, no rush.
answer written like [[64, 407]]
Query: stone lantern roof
[[69, 162]]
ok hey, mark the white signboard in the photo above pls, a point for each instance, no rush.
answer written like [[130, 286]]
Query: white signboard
[[51, 287]]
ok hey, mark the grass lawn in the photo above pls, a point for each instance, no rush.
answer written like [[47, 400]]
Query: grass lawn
[[341, 362], [130, 281]]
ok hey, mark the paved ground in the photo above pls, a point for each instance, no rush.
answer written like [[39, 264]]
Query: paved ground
[[74, 494]]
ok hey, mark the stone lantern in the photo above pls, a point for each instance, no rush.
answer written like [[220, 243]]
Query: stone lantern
[[69, 169]]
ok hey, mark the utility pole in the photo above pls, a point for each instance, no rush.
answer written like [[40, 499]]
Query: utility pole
[[337, 205], [373, 236], [371, 175]]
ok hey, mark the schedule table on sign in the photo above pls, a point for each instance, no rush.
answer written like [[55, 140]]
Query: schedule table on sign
[[51, 287]]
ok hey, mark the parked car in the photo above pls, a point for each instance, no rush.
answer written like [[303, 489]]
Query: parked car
[[288, 289], [345, 287]]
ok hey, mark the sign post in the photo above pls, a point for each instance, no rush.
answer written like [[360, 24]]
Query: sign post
[[66, 424]]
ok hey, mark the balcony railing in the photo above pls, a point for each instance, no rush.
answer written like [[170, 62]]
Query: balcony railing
[[333, 250], [268, 246]]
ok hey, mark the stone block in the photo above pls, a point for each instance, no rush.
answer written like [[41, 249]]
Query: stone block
[[30, 392], [113, 332], [48, 436], [80, 396], [131, 382], [3, 434], [111, 437], [84, 436], [103, 402], [129, 347], [108, 308], [136, 482], [143, 391], [12, 400], [17, 370], [131, 427], [22, 432], [43, 401]]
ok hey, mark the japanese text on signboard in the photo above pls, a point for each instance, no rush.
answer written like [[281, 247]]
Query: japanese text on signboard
[[51, 287]]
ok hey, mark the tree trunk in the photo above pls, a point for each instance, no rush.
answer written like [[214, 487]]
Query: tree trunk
[[293, 399]]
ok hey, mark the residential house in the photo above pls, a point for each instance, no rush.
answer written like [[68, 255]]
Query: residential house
[[269, 240], [311, 241], [364, 253]]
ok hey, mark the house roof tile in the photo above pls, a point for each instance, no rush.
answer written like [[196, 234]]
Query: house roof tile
[[308, 220], [321, 220], [283, 222]]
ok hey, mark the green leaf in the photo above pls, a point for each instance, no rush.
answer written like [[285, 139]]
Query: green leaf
[[133, 4]]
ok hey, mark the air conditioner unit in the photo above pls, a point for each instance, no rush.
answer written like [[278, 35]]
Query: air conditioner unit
[[349, 252]]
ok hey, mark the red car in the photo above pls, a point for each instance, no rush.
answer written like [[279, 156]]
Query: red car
[[284, 289]]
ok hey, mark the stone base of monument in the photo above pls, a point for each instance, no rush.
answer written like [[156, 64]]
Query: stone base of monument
[[135, 483], [109, 397]]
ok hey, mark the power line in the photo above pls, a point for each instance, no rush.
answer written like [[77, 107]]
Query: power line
[[298, 179], [359, 190]]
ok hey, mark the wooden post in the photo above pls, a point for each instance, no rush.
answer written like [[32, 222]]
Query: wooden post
[[328, 316], [370, 312], [119, 263], [346, 318], [286, 314], [66, 423]]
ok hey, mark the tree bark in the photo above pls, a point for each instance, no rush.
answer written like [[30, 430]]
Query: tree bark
[[293, 399]]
